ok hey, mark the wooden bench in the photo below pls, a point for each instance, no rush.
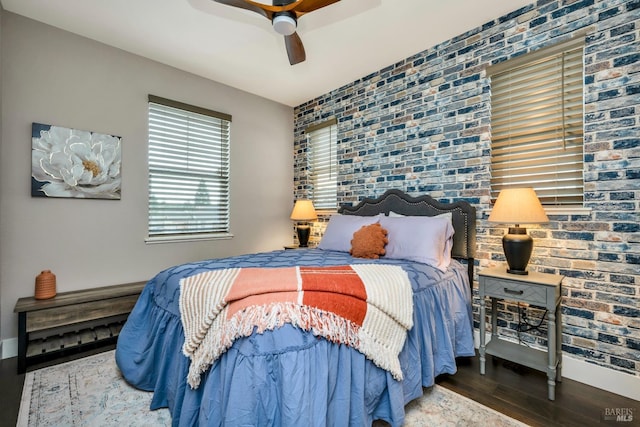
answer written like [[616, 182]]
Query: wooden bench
[[72, 321]]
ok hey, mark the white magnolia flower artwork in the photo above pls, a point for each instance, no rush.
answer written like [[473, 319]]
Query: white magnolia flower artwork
[[74, 163]]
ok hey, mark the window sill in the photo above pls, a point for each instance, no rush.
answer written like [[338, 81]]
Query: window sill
[[326, 212], [187, 238], [566, 210]]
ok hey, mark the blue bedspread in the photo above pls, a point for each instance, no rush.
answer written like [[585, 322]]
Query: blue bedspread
[[288, 377]]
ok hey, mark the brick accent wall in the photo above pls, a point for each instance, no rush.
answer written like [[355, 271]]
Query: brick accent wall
[[423, 125]]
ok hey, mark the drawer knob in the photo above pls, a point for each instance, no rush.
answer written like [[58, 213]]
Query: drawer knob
[[513, 292]]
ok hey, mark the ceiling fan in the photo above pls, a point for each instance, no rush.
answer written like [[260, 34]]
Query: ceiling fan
[[284, 15]]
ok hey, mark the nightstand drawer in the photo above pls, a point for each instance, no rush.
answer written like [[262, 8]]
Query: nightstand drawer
[[509, 289]]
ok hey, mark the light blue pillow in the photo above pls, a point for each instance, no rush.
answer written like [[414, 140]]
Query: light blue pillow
[[340, 229], [419, 238]]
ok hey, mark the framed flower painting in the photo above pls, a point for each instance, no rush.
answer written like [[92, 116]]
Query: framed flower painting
[[74, 163]]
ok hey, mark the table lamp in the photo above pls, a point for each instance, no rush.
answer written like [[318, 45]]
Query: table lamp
[[518, 206], [303, 210]]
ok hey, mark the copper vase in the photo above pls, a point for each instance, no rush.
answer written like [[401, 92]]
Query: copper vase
[[45, 285]]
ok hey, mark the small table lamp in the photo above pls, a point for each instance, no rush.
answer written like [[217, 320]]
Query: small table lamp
[[518, 206], [303, 210]]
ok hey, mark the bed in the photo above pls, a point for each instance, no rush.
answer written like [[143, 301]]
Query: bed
[[288, 376]]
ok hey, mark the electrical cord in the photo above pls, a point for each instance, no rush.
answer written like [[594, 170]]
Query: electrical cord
[[525, 326]]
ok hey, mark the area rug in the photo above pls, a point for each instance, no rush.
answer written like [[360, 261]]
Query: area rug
[[92, 392]]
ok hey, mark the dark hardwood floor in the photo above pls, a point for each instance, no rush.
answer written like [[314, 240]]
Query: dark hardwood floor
[[10, 391], [511, 389], [521, 393]]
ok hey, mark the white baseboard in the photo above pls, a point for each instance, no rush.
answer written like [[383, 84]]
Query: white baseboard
[[9, 348], [600, 377], [574, 369], [610, 380]]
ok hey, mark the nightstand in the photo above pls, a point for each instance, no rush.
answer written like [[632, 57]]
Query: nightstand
[[539, 289]]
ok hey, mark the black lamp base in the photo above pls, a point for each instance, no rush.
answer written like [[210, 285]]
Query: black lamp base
[[303, 235], [517, 246], [520, 272]]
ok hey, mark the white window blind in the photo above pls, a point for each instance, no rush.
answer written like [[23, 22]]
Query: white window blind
[[188, 169], [537, 124], [323, 164]]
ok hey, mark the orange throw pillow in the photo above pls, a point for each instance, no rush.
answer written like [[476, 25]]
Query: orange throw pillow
[[369, 242]]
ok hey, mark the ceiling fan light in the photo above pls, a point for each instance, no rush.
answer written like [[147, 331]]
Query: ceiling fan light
[[284, 24]]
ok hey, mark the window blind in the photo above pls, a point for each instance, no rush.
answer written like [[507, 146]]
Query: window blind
[[188, 169], [323, 170], [537, 126]]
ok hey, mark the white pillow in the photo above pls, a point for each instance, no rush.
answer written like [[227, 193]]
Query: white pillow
[[446, 256], [340, 229], [420, 238]]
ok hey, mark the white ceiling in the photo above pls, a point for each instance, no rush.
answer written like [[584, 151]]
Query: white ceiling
[[345, 41]]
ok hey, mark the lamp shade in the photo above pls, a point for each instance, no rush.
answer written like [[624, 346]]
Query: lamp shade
[[303, 210], [518, 206]]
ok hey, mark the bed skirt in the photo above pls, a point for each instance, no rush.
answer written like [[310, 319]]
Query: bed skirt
[[285, 376]]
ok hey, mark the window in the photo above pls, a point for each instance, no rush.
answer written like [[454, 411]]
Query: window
[[537, 124], [188, 170], [323, 167]]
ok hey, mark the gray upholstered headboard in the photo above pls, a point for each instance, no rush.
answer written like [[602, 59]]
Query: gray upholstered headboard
[[463, 217]]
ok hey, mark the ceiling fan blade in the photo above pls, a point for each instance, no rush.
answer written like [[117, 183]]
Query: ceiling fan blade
[[306, 6], [249, 5], [296, 7], [295, 49]]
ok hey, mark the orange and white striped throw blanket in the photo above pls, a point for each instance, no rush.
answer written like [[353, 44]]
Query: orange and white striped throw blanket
[[366, 306]]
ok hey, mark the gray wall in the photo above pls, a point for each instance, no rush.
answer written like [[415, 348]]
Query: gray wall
[[55, 77]]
